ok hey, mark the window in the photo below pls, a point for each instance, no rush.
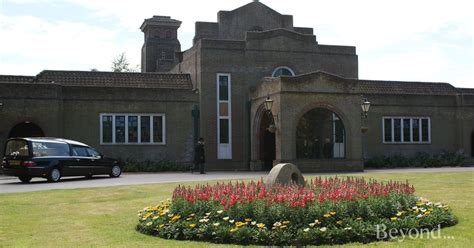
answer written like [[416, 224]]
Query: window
[[43, 149], [92, 153], [79, 151], [283, 71], [406, 130], [133, 129], [224, 117]]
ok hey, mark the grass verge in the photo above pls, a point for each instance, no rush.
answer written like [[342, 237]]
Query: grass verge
[[107, 216]]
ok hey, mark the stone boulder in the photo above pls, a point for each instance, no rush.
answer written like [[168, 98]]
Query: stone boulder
[[285, 173]]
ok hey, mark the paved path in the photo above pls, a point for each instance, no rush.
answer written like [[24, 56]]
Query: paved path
[[11, 185]]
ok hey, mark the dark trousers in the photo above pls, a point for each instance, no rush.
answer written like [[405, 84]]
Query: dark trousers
[[199, 166]]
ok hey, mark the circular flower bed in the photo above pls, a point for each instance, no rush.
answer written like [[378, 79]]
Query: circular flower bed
[[325, 211]]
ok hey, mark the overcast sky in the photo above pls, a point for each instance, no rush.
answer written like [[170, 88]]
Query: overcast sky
[[409, 40]]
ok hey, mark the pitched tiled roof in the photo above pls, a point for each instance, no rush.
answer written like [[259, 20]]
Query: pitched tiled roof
[[12, 78], [115, 79], [466, 91], [405, 88]]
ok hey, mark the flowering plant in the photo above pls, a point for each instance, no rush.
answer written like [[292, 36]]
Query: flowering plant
[[325, 211]]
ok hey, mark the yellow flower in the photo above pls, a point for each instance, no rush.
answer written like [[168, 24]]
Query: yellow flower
[[176, 217], [327, 215], [233, 230], [399, 213], [248, 220], [339, 222], [286, 222], [261, 225], [239, 223], [332, 213], [156, 217], [192, 225], [190, 218], [393, 218], [283, 226], [162, 225]]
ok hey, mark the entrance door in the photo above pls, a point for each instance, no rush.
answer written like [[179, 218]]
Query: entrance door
[[472, 144], [267, 146], [26, 129]]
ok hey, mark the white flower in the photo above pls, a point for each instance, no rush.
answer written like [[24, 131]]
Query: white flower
[[253, 223], [203, 220], [348, 228], [207, 214], [312, 224], [226, 218], [220, 211], [306, 230], [323, 229], [216, 224], [419, 216], [231, 221]]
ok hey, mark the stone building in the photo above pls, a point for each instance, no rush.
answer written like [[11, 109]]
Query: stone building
[[217, 90]]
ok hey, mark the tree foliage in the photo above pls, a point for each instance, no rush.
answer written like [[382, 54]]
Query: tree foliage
[[121, 64]]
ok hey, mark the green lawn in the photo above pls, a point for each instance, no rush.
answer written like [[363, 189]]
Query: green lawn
[[107, 216]]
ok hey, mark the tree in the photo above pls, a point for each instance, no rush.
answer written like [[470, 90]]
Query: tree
[[121, 64]]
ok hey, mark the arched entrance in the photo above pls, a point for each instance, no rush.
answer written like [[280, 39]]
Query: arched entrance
[[472, 144], [267, 145], [26, 129], [320, 134]]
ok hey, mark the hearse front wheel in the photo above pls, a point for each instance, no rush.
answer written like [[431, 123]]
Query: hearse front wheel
[[116, 171], [25, 179], [54, 175]]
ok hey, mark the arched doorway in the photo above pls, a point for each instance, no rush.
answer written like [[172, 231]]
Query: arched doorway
[[472, 144], [26, 129], [267, 146], [320, 134]]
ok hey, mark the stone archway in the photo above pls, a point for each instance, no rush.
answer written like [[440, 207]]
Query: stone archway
[[26, 129], [320, 134], [264, 139], [472, 144]]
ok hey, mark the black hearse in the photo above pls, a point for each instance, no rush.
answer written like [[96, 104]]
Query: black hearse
[[53, 158]]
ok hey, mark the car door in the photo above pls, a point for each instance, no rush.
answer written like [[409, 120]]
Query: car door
[[81, 161], [97, 164]]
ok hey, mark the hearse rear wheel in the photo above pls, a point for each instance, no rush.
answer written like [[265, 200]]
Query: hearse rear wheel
[[54, 175], [25, 179]]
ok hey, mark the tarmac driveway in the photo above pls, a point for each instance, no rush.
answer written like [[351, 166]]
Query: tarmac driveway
[[11, 184]]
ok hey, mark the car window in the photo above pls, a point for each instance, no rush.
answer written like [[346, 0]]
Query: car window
[[92, 152], [17, 148], [79, 151], [43, 149]]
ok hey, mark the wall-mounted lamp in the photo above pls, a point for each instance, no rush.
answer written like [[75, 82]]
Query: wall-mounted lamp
[[365, 105], [268, 104]]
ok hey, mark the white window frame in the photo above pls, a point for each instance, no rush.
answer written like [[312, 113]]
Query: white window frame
[[402, 139], [283, 67], [224, 150], [151, 115]]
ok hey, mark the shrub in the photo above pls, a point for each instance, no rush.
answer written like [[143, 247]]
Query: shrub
[[131, 165], [326, 211], [420, 159]]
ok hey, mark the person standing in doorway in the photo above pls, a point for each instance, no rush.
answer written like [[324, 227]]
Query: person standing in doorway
[[199, 156]]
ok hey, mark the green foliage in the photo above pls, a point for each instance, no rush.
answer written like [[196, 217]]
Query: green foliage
[[420, 159], [279, 224], [131, 165], [121, 64]]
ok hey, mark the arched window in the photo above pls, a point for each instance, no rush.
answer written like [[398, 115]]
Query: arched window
[[283, 71]]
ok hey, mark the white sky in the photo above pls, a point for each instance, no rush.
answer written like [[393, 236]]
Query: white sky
[[411, 40]]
